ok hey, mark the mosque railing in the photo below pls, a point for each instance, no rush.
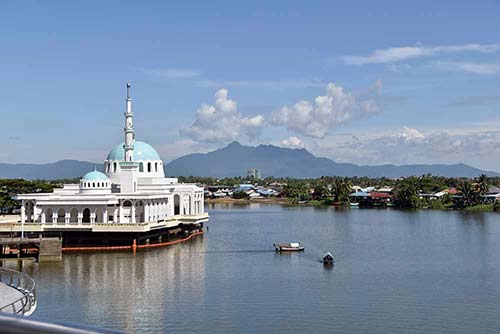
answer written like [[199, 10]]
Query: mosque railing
[[26, 303]]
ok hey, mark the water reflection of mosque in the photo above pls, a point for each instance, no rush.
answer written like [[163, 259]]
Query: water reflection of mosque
[[125, 291]]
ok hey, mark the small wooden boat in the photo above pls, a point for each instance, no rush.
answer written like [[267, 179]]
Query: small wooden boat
[[290, 247], [328, 259], [354, 205]]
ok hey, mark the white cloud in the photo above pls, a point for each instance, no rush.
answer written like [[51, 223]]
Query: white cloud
[[292, 142], [410, 146], [171, 73], [474, 68], [411, 134], [315, 119], [221, 122], [397, 54]]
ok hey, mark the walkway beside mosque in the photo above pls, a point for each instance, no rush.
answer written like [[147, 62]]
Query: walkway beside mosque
[[8, 295], [17, 292]]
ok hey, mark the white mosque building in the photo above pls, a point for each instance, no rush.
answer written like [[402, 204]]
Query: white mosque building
[[132, 197]]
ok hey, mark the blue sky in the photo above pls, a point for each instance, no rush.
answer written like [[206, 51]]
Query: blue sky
[[380, 82]]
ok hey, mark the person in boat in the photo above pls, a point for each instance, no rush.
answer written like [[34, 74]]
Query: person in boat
[[328, 258]]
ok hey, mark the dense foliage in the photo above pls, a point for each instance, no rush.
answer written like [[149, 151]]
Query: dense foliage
[[11, 187], [407, 192]]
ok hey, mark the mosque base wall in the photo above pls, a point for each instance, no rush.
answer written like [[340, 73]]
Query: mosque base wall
[[83, 239]]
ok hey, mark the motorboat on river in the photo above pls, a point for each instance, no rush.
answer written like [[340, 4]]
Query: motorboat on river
[[289, 247], [328, 259]]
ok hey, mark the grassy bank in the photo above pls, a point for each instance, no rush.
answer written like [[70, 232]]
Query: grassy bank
[[480, 208], [430, 205]]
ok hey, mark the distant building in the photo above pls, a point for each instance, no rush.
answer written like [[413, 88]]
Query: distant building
[[254, 173]]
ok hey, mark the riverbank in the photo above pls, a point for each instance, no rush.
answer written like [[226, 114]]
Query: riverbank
[[267, 200], [319, 203]]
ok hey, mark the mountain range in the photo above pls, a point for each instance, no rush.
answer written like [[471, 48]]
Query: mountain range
[[235, 159]]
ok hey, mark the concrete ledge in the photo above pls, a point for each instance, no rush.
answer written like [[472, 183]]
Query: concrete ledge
[[106, 227]]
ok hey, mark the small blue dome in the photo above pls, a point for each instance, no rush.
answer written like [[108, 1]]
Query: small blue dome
[[142, 151], [95, 176]]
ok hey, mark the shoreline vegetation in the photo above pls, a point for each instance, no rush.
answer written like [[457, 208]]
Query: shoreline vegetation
[[480, 194], [315, 203]]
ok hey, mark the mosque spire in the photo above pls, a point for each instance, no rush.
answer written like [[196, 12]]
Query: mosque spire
[[128, 146]]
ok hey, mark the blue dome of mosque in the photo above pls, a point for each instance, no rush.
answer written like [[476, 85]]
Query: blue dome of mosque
[[95, 176], [142, 151]]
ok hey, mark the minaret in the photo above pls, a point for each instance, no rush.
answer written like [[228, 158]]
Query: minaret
[[128, 168], [128, 146]]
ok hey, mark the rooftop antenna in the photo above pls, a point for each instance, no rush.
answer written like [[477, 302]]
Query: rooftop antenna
[[128, 90]]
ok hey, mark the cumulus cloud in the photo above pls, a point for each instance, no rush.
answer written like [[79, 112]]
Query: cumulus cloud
[[409, 146], [467, 67], [221, 122], [397, 54], [292, 142], [315, 119]]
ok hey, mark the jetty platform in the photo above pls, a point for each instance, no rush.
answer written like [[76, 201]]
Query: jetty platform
[[8, 295], [17, 292]]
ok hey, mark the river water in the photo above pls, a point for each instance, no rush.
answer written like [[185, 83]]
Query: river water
[[396, 272]]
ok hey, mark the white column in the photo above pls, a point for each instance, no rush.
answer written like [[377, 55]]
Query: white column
[[35, 212], [191, 205], [120, 214], [92, 217], [54, 217], [43, 216], [105, 215], [80, 217], [115, 215], [67, 217], [23, 217], [132, 212]]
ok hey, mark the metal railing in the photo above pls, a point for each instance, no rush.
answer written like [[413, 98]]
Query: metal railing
[[10, 324], [26, 304]]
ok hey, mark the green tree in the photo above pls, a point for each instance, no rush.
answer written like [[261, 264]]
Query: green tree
[[296, 190], [468, 195], [240, 195], [341, 188], [321, 189], [482, 185], [406, 193]]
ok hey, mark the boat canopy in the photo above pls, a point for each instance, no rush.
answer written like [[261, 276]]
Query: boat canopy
[[294, 244]]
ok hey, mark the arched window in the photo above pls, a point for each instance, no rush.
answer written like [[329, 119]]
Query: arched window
[[93, 184], [156, 167], [74, 215], [141, 167], [86, 216], [149, 167], [61, 214], [114, 167], [127, 203]]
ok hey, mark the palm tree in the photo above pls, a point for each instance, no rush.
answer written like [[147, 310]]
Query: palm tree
[[341, 189], [468, 193], [321, 189], [482, 185], [406, 193]]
